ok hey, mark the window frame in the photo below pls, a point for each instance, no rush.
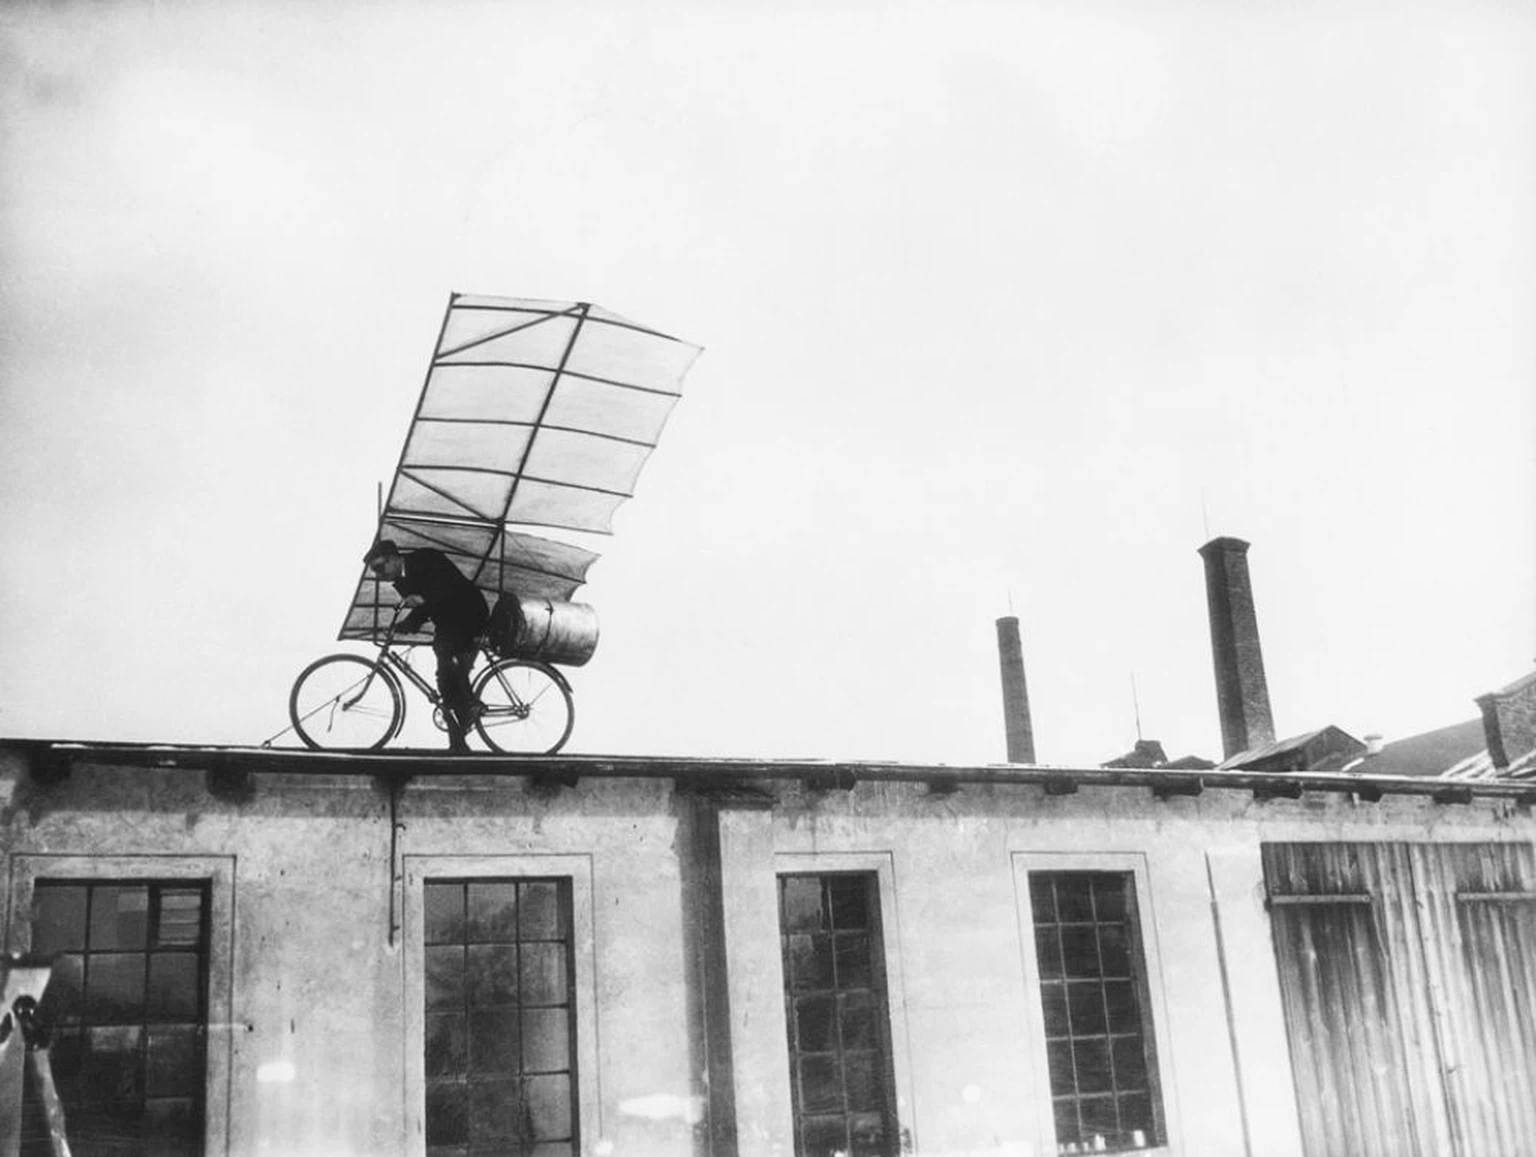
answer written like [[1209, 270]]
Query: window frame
[[1152, 987], [217, 873], [576, 870], [883, 867]]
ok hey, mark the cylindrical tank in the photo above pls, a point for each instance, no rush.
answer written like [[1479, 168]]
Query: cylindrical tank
[[556, 632]]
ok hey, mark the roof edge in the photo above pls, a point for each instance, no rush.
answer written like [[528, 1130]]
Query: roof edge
[[49, 758]]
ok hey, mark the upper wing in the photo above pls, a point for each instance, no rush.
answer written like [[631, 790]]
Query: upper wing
[[534, 413]]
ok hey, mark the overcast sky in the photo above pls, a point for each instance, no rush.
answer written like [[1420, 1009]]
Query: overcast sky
[[1004, 305]]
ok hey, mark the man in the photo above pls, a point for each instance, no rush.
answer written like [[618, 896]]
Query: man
[[435, 589]]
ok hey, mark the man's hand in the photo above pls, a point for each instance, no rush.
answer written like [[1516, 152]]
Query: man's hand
[[411, 622], [406, 624]]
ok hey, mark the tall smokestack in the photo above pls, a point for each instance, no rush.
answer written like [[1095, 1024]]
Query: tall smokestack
[[1242, 695], [1010, 656]]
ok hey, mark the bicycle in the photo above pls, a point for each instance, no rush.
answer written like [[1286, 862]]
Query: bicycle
[[351, 702]]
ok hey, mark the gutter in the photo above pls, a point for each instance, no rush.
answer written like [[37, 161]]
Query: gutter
[[48, 760]]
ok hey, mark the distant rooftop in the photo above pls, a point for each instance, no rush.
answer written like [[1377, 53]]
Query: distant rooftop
[[1325, 749], [1149, 753], [1430, 753]]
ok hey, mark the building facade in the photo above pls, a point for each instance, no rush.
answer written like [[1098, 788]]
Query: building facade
[[262, 952]]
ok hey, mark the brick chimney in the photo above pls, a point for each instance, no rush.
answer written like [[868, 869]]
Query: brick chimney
[[1242, 694], [1509, 721], [1016, 724]]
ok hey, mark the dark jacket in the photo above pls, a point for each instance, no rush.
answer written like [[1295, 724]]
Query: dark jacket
[[448, 598]]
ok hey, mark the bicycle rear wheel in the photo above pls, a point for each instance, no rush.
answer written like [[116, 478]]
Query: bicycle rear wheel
[[346, 702], [528, 708]]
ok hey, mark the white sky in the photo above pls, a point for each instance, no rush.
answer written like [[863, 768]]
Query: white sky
[[998, 299]]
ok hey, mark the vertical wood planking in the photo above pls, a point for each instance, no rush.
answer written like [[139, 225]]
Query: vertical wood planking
[[1411, 1015]]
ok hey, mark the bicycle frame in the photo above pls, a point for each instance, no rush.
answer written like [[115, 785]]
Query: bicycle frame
[[393, 660], [388, 655], [390, 659], [506, 689]]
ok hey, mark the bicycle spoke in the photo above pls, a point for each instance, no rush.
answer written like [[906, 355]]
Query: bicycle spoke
[[526, 709], [335, 700], [506, 687], [345, 701]]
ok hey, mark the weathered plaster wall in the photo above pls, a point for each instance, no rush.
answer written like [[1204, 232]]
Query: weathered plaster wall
[[320, 1006], [312, 982], [971, 1026], [645, 1095], [321, 1039]]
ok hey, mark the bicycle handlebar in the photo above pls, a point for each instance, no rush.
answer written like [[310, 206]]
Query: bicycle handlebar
[[394, 621]]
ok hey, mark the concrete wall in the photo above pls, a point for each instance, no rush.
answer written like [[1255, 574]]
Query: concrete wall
[[968, 1012], [316, 988], [316, 1042]]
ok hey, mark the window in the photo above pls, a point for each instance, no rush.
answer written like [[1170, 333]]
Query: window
[[128, 1007], [841, 1080], [1408, 978], [500, 1018], [1099, 1046]]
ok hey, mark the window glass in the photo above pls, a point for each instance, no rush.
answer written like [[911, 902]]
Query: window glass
[[838, 1018], [127, 1009], [1092, 994], [500, 1008]]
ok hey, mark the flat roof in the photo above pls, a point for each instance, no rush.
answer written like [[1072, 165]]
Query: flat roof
[[51, 758]]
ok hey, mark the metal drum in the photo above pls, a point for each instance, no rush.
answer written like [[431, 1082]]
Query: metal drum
[[556, 632]]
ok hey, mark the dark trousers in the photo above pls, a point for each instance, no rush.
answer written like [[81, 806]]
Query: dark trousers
[[455, 658], [453, 643]]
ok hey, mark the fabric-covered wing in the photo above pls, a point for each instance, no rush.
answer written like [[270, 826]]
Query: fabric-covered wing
[[534, 413], [535, 567]]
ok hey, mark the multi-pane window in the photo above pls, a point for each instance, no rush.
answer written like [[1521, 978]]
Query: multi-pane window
[[1104, 1087], [127, 1004], [835, 1000], [500, 1019]]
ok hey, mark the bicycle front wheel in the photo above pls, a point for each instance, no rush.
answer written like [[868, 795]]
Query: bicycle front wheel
[[528, 709], [346, 702]]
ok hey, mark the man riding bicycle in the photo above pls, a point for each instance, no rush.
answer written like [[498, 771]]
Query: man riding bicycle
[[438, 591]]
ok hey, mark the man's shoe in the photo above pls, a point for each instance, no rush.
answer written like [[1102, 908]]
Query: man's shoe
[[457, 746]]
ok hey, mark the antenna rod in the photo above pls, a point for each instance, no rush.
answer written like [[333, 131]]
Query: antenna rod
[[1136, 705], [378, 520]]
